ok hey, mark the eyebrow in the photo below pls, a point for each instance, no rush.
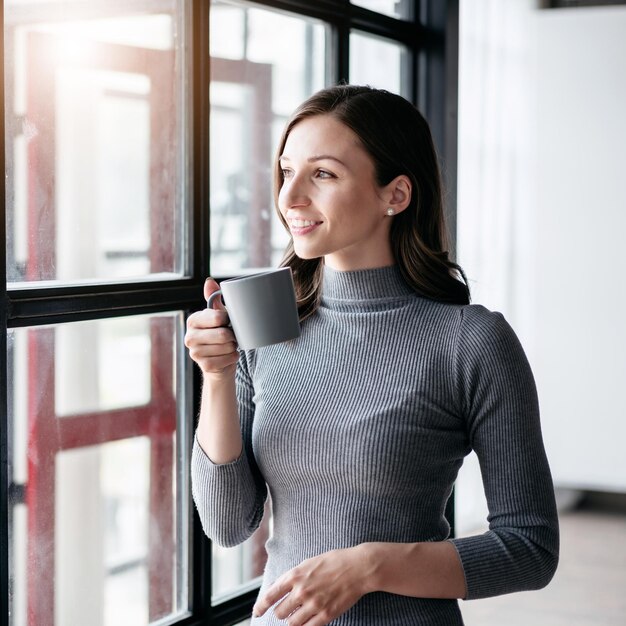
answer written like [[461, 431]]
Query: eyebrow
[[317, 157]]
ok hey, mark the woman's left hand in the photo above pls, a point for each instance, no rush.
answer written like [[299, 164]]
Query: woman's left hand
[[318, 590]]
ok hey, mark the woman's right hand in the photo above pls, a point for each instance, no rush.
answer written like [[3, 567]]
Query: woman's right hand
[[211, 344]]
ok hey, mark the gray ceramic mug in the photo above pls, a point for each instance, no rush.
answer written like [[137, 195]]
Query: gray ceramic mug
[[261, 307]]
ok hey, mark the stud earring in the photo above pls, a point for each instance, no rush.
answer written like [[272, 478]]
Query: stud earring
[[390, 211]]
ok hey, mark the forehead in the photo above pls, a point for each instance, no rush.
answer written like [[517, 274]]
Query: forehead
[[321, 134]]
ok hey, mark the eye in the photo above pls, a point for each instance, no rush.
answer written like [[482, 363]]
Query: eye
[[324, 174], [287, 173]]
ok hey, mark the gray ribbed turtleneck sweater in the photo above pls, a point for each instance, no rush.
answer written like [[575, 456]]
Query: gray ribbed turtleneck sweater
[[359, 428]]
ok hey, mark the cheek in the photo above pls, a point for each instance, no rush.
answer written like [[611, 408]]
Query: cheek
[[281, 200]]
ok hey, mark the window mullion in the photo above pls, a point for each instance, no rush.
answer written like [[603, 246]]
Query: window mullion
[[65, 305], [200, 138], [200, 558], [4, 460], [342, 51]]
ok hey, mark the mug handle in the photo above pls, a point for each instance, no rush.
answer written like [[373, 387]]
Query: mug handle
[[212, 298]]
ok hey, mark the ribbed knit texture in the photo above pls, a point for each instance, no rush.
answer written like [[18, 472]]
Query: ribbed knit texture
[[359, 428]]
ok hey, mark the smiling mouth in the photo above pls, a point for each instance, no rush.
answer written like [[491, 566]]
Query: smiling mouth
[[302, 227], [302, 223]]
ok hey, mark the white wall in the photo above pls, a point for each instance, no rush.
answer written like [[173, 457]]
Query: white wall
[[580, 315], [541, 216], [496, 182]]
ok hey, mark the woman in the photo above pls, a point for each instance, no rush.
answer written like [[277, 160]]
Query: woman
[[360, 426]]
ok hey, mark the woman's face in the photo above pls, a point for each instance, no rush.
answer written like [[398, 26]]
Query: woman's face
[[330, 199]]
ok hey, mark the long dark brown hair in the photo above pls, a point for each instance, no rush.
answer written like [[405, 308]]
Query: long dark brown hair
[[398, 139]]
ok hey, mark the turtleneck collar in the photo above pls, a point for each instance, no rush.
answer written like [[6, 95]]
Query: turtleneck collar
[[359, 285]]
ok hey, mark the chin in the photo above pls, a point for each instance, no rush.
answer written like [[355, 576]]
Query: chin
[[307, 255]]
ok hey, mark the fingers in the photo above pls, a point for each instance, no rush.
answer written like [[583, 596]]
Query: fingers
[[277, 591], [317, 591], [199, 350], [297, 608], [294, 612], [208, 318], [211, 343], [212, 358], [304, 617], [208, 327], [211, 286], [293, 600]]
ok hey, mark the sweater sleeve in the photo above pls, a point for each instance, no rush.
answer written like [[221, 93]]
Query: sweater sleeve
[[520, 550], [230, 497]]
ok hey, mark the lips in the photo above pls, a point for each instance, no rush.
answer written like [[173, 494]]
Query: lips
[[302, 227], [302, 223]]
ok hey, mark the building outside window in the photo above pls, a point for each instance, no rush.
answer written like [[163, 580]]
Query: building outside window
[[138, 143]]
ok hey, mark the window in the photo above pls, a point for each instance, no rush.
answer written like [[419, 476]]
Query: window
[[138, 143], [395, 8], [94, 448], [257, 79], [98, 214], [93, 106], [378, 62]]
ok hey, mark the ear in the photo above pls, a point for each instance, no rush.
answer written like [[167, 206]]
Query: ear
[[397, 193]]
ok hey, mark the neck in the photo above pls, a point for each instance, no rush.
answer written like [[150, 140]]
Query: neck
[[345, 261], [368, 284]]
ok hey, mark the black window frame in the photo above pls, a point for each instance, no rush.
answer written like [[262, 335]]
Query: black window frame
[[579, 4], [431, 38]]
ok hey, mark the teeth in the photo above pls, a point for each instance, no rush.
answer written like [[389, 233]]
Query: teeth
[[302, 223]]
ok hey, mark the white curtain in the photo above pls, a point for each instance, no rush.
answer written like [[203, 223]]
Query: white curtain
[[496, 181]]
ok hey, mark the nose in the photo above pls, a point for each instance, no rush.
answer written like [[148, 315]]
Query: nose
[[294, 193]]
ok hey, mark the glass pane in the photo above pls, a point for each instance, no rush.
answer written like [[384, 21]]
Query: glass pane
[[239, 568], [263, 64], [401, 9], [98, 515], [96, 118], [120, 375], [378, 62]]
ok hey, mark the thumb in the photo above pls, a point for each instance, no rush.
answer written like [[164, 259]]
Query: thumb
[[211, 286]]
